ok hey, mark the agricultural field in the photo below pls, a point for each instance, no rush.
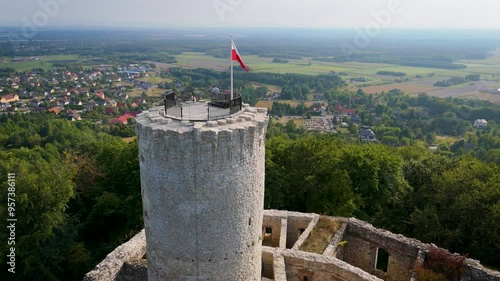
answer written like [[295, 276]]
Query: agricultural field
[[26, 65], [483, 96], [408, 87], [488, 68], [271, 88], [44, 62], [155, 79], [265, 104], [299, 121], [269, 103], [152, 92]]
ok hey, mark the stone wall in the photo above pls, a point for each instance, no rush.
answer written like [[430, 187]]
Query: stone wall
[[109, 268], [203, 190], [321, 268], [268, 265], [297, 226], [364, 242], [356, 260], [474, 271], [133, 271], [274, 224]]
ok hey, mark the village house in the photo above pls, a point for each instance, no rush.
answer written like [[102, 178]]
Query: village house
[[123, 119], [480, 123], [73, 115], [35, 103], [9, 98], [345, 111], [100, 94], [54, 110], [367, 135]]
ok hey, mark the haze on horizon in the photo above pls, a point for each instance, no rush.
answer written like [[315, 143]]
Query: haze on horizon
[[457, 14]]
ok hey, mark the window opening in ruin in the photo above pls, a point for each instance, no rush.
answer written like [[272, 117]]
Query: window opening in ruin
[[382, 260], [305, 278], [269, 230], [301, 230]]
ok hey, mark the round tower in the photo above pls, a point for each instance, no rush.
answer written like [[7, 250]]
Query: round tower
[[202, 189]]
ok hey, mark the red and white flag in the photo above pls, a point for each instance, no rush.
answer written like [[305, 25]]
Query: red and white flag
[[236, 56]]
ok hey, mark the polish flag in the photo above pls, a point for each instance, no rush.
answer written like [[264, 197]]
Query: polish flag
[[236, 56]]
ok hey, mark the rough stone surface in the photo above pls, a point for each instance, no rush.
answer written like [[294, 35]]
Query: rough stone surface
[[320, 267], [203, 190], [281, 264], [475, 271], [300, 227], [333, 246], [133, 271], [364, 240], [108, 269]]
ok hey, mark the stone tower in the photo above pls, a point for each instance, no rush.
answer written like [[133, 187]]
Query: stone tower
[[203, 194]]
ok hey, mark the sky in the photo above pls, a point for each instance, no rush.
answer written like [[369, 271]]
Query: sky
[[460, 14]]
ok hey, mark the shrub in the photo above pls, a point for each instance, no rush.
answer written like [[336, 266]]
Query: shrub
[[428, 275], [441, 261]]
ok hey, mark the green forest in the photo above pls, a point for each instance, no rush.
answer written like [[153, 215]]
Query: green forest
[[77, 194], [453, 202], [78, 191]]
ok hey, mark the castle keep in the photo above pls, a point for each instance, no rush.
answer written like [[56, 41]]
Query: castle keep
[[203, 195]]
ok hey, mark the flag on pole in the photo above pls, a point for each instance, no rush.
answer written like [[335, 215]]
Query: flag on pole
[[236, 56]]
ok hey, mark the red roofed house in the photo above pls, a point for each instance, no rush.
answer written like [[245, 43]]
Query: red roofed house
[[54, 109], [9, 98], [345, 111], [122, 119], [100, 94], [348, 111]]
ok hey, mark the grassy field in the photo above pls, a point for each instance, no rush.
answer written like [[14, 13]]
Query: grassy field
[[265, 103], [155, 79], [408, 87], [154, 92], [26, 65], [299, 121], [320, 236], [271, 88], [487, 67], [45, 62], [269, 104]]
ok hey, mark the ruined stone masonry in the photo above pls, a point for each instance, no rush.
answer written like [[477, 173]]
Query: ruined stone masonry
[[202, 187], [283, 260]]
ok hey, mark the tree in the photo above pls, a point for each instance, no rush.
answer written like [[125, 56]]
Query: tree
[[354, 129], [44, 185], [430, 138], [290, 126]]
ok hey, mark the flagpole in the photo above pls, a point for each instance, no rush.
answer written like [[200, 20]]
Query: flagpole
[[231, 58]]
